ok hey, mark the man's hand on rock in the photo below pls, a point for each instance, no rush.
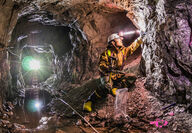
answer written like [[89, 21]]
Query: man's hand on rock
[[142, 34]]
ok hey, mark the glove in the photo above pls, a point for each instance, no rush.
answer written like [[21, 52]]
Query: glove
[[142, 34]]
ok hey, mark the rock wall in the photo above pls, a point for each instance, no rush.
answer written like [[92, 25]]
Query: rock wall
[[7, 14], [166, 52]]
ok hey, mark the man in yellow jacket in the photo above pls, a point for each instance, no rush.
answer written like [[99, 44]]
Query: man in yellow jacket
[[110, 66]]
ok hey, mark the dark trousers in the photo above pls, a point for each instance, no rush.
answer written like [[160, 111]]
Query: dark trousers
[[107, 83]]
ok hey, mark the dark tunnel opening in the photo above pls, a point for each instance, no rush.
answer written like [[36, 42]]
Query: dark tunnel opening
[[31, 37], [36, 33], [37, 48]]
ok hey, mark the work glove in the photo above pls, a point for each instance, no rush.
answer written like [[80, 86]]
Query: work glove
[[142, 34]]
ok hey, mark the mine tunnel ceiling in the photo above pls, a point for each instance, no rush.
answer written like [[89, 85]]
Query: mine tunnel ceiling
[[32, 30]]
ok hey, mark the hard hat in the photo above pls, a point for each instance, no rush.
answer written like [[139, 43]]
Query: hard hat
[[112, 37]]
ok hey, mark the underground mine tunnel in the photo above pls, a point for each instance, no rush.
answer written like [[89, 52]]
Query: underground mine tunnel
[[50, 53]]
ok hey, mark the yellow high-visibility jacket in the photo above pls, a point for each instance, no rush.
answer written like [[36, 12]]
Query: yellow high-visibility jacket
[[115, 57]]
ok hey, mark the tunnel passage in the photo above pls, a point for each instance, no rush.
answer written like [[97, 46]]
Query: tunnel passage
[[76, 47], [38, 37], [29, 30], [33, 37], [98, 23], [70, 47], [38, 49]]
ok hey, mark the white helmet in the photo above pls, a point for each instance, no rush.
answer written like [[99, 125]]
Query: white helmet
[[112, 37]]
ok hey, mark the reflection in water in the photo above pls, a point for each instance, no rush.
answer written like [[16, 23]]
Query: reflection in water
[[29, 114]]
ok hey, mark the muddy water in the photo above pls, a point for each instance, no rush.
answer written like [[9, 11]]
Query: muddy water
[[28, 119], [35, 121], [28, 114], [33, 124]]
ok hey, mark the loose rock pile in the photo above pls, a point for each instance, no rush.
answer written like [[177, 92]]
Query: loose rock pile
[[6, 126]]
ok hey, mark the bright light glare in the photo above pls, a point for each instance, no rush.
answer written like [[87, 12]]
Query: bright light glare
[[128, 33], [34, 64], [34, 105], [37, 105], [29, 63]]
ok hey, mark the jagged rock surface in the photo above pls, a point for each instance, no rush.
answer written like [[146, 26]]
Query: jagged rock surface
[[166, 56], [166, 53]]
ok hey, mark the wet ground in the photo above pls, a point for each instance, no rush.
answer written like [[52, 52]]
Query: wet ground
[[129, 112]]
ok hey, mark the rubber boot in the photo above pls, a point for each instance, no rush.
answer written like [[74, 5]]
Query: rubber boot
[[113, 91], [91, 99], [87, 106]]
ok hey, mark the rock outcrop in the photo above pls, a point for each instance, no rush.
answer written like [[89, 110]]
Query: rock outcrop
[[167, 48], [82, 28]]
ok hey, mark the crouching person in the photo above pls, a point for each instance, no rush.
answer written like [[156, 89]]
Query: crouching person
[[110, 67]]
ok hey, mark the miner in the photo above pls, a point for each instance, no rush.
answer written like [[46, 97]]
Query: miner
[[110, 67]]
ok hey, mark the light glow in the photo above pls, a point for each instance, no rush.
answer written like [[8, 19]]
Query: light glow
[[37, 105], [128, 33], [34, 105], [34, 64], [29, 63]]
